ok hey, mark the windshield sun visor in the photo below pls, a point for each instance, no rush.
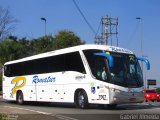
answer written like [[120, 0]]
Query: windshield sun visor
[[146, 61], [108, 56]]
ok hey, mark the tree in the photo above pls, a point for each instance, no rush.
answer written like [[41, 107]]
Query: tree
[[26, 47], [42, 44], [6, 22], [10, 50], [66, 38]]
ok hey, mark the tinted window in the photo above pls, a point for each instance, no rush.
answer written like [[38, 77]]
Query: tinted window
[[95, 62], [150, 91], [58, 63], [73, 62]]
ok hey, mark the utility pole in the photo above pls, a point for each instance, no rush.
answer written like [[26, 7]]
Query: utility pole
[[109, 28], [99, 40]]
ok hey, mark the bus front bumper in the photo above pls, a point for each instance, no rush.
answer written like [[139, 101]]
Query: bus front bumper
[[122, 97]]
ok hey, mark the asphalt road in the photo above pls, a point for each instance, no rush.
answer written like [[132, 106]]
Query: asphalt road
[[48, 111]]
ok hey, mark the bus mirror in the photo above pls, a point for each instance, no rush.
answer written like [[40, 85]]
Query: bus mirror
[[144, 60], [108, 56]]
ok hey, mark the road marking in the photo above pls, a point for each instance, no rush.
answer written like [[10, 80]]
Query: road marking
[[65, 117], [44, 113]]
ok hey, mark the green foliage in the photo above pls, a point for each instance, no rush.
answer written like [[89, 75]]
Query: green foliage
[[67, 39], [14, 48], [10, 50], [158, 90], [42, 44]]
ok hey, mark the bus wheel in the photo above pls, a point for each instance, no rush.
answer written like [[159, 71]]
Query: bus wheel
[[82, 99], [20, 98]]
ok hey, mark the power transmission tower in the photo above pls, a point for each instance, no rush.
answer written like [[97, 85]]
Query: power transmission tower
[[109, 28]]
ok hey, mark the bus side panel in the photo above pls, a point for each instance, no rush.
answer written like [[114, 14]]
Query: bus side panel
[[29, 90], [97, 91], [7, 89], [21, 83], [72, 82], [49, 87]]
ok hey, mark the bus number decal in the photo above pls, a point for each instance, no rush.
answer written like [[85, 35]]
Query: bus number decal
[[102, 97], [17, 86]]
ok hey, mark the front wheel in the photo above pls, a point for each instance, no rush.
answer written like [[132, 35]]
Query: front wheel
[[20, 100], [82, 99]]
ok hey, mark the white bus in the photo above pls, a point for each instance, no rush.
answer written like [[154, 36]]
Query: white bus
[[85, 74]]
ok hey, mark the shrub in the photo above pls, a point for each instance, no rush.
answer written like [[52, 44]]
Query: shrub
[[158, 90]]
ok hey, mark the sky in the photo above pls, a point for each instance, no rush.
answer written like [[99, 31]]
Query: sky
[[62, 14]]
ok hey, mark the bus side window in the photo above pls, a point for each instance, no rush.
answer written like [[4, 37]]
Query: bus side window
[[7, 71], [73, 62]]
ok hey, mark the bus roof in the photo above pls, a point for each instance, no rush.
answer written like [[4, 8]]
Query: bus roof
[[72, 49]]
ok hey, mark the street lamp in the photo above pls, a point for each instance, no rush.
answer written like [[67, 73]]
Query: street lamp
[[141, 34], [140, 22], [44, 19]]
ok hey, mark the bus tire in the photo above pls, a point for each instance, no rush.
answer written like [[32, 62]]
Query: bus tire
[[19, 98], [81, 99]]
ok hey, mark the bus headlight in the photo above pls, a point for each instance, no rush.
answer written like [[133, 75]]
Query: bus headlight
[[117, 91]]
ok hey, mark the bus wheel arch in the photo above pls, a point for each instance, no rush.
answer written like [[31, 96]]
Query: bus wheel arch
[[81, 98], [19, 97]]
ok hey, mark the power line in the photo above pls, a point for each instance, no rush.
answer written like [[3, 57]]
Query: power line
[[89, 25]]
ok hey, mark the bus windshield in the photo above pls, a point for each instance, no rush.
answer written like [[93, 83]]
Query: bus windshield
[[125, 71]]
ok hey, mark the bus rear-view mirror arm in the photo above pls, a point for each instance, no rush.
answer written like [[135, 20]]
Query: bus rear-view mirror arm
[[146, 61], [108, 56]]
